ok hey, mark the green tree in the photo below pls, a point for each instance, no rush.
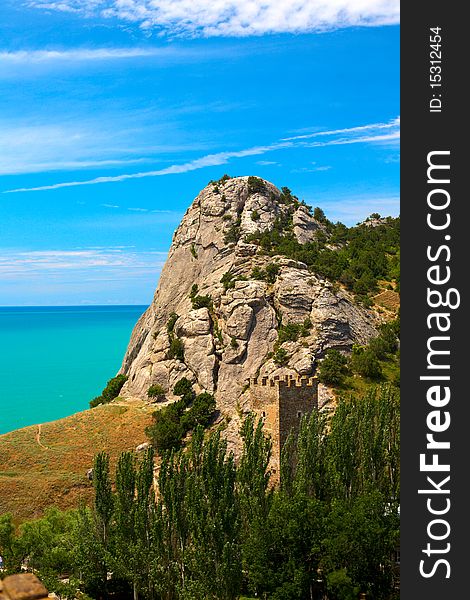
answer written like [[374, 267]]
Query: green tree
[[333, 368], [103, 495], [255, 499], [364, 362], [156, 391], [9, 548]]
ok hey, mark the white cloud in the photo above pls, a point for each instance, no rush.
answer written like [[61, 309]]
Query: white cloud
[[209, 160], [78, 54], [353, 210], [209, 18], [375, 136], [394, 136], [393, 124], [113, 262]]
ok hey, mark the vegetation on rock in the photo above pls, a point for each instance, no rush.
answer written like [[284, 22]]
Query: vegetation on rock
[[110, 392], [173, 422]]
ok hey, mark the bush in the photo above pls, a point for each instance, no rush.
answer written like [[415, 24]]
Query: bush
[[255, 184], [364, 362], [333, 368], [200, 413], [166, 432], [280, 357], [292, 331], [272, 271], [171, 322], [110, 392], [156, 391], [183, 387], [201, 302], [268, 274], [233, 233], [173, 422], [176, 349], [255, 215], [228, 280]]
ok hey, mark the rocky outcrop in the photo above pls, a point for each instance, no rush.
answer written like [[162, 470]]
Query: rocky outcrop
[[228, 331]]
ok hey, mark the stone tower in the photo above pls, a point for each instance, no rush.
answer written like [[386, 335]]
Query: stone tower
[[281, 403]]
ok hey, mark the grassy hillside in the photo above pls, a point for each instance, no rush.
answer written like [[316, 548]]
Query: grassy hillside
[[46, 465]]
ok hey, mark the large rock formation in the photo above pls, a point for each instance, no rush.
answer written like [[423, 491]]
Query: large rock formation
[[232, 337]]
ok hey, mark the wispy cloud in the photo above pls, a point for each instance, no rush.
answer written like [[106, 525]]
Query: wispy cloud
[[112, 262], [210, 160], [79, 54], [238, 18], [352, 132], [312, 168], [375, 136], [352, 210], [394, 136]]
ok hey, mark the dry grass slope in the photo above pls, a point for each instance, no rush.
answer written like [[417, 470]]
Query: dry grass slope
[[46, 465]]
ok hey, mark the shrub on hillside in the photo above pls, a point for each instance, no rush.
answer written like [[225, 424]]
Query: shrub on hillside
[[333, 368], [110, 392], [156, 391]]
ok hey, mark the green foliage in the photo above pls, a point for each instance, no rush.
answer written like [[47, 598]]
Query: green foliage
[[156, 391], [193, 250], [199, 301], [166, 432], [319, 215], [172, 423], [333, 368], [255, 216], [176, 349], [364, 362], [202, 302], [357, 257], [102, 483], [184, 388], [269, 273], [229, 280], [233, 343], [224, 178], [194, 291], [292, 331], [233, 233], [280, 357], [171, 322], [110, 392], [340, 586], [256, 185]]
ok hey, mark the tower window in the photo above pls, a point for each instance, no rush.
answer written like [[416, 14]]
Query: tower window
[[263, 414]]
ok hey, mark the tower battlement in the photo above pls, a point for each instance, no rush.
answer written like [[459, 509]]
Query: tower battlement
[[282, 382]]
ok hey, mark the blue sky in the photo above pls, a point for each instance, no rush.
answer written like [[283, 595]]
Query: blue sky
[[113, 115]]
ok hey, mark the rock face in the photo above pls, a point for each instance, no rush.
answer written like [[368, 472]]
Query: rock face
[[230, 337]]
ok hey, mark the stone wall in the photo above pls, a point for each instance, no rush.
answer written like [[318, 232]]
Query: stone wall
[[281, 403]]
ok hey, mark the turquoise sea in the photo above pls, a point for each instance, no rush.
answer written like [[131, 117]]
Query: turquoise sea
[[54, 360]]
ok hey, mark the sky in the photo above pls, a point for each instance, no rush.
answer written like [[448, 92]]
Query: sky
[[114, 114]]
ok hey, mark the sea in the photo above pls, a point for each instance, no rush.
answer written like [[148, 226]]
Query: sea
[[54, 360]]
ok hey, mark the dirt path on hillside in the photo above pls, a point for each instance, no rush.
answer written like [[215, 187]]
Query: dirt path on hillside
[[38, 438]]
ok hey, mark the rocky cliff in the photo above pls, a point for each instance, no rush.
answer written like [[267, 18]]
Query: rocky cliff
[[228, 330]]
